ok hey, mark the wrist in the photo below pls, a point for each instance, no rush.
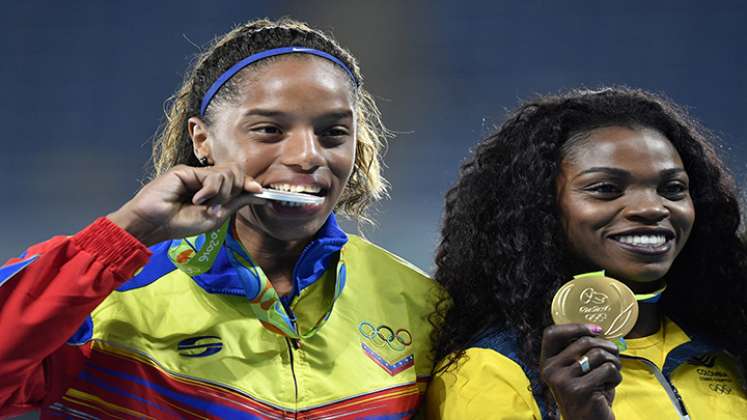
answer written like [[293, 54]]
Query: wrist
[[141, 229], [112, 247]]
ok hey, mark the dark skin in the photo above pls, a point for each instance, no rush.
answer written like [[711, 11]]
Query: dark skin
[[624, 200], [293, 128]]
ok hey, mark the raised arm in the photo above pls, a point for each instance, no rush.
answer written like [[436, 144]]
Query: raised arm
[[47, 294]]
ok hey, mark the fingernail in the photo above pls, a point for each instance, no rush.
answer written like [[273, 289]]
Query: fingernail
[[215, 210], [595, 329]]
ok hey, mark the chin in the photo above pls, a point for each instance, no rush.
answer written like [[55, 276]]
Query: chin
[[288, 235], [284, 229], [293, 232], [644, 276]]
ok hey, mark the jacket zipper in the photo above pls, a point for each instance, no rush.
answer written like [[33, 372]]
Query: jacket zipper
[[674, 396], [293, 343]]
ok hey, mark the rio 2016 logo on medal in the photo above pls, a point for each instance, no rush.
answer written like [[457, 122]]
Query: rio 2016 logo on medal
[[597, 299]]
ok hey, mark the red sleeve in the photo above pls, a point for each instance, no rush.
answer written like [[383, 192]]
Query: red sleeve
[[45, 295]]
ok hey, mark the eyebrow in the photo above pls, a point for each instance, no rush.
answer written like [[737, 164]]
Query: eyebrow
[[338, 115], [333, 115], [263, 113], [623, 173]]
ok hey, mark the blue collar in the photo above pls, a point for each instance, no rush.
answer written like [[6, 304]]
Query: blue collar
[[315, 259]]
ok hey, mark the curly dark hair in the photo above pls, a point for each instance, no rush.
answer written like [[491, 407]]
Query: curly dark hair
[[503, 253]]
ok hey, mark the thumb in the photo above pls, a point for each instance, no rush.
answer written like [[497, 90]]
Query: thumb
[[252, 186]]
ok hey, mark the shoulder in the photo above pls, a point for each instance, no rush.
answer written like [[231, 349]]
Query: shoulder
[[383, 289], [702, 361], [483, 383], [682, 344], [482, 368], [361, 251]]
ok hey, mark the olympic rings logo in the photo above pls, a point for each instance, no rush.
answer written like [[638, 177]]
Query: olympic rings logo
[[720, 388], [383, 335]]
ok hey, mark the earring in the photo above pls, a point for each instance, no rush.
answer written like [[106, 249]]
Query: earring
[[203, 161]]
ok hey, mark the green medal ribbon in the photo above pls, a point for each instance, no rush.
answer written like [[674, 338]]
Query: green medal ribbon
[[639, 297], [591, 274], [266, 303], [263, 299], [186, 257], [652, 297]]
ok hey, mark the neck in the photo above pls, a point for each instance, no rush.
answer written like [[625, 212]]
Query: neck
[[641, 288], [649, 321], [649, 314], [276, 257]]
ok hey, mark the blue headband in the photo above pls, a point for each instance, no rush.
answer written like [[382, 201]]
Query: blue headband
[[228, 74]]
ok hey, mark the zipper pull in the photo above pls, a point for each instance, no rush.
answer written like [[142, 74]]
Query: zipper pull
[[295, 341], [683, 411]]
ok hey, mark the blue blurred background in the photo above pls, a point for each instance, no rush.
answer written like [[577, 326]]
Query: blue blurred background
[[84, 86]]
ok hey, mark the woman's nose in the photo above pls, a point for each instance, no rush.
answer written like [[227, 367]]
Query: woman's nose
[[646, 207], [302, 151]]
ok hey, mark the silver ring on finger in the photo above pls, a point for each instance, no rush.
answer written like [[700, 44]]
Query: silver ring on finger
[[584, 363]]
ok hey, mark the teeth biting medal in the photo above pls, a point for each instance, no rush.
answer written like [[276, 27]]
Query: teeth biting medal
[[196, 259], [293, 197]]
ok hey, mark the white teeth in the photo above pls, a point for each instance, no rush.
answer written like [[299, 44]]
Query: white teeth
[[643, 240], [296, 188], [290, 204]]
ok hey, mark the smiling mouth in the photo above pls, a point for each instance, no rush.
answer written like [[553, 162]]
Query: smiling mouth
[[651, 244]]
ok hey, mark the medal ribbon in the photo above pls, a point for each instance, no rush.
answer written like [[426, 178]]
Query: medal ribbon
[[650, 297], [266, 303], [185, 255], [643, 297], [195, 255]]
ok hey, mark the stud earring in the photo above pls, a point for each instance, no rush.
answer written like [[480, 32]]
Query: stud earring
[[203, 161]]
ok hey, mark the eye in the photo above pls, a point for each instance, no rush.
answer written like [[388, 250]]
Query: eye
[[266, 129], [266, 133], [604, 190], [334, 136], [337, 131], [674, 190]]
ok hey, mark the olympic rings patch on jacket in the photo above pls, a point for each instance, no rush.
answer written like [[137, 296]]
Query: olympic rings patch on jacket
[[384, 335]]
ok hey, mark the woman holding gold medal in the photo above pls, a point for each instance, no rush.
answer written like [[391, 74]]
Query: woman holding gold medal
[[620, 189], [251, 302]]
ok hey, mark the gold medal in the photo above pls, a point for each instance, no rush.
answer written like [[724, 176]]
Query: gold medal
[[596, 299]]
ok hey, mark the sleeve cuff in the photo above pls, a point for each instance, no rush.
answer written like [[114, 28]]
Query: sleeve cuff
[[113, 247]]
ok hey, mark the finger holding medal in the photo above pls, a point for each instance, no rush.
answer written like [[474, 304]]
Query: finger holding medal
[[590, 365], [580, 369], [186, 201]]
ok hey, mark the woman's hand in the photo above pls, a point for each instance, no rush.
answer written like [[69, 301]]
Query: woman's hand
[[186, 201], [582, 392]]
